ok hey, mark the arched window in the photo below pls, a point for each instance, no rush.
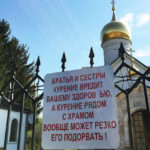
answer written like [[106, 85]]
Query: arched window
[[13, 130], [141, 130]]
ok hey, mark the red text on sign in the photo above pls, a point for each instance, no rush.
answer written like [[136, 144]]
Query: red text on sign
[[78, 115]]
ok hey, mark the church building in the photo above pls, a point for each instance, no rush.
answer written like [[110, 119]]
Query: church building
[[132, 89], [132, 82]]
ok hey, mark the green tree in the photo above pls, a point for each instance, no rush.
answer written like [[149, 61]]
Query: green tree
[[12, 51], [38, 133]]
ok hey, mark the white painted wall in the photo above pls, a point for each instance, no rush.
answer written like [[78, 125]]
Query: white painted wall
[[13, 115], [111, 47], [3, 116]]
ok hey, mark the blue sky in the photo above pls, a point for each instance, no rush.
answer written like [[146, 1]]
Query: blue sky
[[51, 27]]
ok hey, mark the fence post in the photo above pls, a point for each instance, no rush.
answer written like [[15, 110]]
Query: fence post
[[129, 122], [20, 122], [146, 97], [7, 127], [63, 60], [91, 56], [11, 97], [34, 122]]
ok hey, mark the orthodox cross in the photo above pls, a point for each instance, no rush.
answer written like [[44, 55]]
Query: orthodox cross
[[131, 53], [113, 3]]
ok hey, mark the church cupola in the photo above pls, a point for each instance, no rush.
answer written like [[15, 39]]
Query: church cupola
[[112, 35]]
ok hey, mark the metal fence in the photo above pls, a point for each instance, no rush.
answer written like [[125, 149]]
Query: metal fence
[[131, 83], [9, 97]]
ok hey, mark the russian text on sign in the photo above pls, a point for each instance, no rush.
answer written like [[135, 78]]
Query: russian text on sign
[[79, 110]]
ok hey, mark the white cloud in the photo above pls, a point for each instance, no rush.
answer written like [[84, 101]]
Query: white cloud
[[142, 53], [139, 20], [142, 19], [128, 20]]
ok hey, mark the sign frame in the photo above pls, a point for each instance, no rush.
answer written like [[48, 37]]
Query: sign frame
[[80, 110]]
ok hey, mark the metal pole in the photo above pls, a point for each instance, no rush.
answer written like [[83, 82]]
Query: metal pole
[[34, 122], [146, 97], [8, 116], [129, 122], [20, 123], [26, 131], [7, 127]]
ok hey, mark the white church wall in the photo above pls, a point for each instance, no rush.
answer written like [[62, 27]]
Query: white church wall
[[3, 116], [137, 103], [111, 49], [13, 115]]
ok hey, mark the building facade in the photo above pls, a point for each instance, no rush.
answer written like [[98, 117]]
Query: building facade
[[114, 36], [134, 131], [13, 127]]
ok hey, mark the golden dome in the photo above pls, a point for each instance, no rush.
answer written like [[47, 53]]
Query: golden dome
[[114, 29]]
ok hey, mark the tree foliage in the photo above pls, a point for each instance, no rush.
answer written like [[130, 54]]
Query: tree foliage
[[12, 51], [38, 134]]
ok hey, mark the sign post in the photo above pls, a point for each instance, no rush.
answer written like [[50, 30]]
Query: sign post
[[79, 110]]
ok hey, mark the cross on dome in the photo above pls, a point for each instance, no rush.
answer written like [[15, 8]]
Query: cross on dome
[[113, 2], [113, 9], [113, 5]]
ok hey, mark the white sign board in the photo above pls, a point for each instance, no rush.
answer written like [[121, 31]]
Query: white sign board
[[79, 110]]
